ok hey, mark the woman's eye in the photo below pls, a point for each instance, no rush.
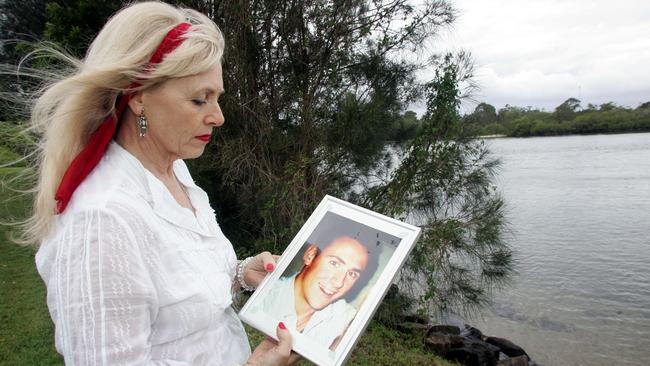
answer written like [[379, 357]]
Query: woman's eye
[[353, 274], [199, 101], [334, 263]]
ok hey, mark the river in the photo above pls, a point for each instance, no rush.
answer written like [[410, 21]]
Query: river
[[579, 211]]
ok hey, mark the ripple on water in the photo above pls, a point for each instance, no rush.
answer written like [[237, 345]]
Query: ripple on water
[[579, 209]]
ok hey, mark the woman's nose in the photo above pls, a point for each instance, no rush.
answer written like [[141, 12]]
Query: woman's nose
[[215, 117]]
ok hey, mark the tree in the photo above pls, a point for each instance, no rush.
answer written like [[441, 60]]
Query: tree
[[21, 22], [567, 110], [406, 127], [315, 88], [483, 114], [71, 24], [74, 23], [508, 114], [445, 180], [645, 105], [607, 106]]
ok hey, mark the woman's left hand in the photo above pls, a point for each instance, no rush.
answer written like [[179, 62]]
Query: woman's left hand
[[258, 268]]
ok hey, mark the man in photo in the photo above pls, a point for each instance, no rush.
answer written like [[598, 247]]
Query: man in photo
[[315, 301]]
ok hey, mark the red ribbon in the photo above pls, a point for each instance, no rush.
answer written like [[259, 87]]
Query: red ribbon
[[92, 153]]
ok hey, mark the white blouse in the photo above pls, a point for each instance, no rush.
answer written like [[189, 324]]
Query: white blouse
[[133, 278]]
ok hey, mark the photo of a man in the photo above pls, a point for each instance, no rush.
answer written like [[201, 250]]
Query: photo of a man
[[319, 293], [327, 276], [331, 279]]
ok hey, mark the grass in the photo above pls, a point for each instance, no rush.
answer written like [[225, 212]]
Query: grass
[[379, 345], [27, 332], [7, 156]]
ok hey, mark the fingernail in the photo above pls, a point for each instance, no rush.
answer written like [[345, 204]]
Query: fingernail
[[281, 325], [269, 267]]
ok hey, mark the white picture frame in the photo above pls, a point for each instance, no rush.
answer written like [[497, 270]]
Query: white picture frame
[[388, 243]]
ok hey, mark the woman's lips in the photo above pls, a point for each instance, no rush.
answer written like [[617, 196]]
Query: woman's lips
[[204, 138]]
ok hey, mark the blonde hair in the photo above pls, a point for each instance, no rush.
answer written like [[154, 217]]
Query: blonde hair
[[68, 110]]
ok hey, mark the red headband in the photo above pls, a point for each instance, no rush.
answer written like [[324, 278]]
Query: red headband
[[92, 153]]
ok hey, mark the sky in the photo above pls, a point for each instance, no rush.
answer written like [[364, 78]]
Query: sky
[[538, 53]]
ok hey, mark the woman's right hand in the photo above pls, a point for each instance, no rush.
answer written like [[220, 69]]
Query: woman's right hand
[[274, 353]]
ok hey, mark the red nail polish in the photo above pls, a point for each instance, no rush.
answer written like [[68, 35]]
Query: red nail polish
[[269, 267], [281, 325]]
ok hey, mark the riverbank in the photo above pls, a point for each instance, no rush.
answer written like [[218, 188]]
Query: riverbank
[[498, 136]]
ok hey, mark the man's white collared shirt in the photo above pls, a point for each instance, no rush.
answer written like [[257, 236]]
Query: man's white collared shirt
[[323, 327]]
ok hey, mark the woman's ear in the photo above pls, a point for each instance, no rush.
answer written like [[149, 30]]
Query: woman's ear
[[310, 254], [136, 104]]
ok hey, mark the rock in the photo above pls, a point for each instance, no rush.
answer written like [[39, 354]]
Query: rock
[[507, 347], [442, 343], [469, 347], [471, 332], [474, 352], [515, 361], [444, 329]]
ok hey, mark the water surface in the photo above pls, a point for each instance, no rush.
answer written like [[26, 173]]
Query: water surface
[[579, 209]]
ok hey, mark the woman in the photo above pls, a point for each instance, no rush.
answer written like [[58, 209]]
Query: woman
[[136, 268]]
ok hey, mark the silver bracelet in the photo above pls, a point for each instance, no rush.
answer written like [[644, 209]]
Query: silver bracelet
[[241, 267]]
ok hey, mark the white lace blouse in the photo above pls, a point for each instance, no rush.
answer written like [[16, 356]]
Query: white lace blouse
[[133, 278]]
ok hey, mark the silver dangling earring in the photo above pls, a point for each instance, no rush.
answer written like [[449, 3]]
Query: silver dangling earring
[[142, 124]]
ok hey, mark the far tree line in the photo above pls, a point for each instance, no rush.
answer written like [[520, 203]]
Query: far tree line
[[567, 118]]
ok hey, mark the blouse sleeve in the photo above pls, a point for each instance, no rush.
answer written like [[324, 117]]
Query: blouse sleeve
[[100, 293]]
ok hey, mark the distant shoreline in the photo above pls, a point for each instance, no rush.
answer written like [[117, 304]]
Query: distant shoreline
[[491, 136], [498, 136]]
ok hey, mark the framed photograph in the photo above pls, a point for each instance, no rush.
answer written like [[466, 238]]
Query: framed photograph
[[330, 280]]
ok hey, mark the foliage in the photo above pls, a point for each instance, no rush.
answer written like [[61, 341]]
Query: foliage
[[394, 308], [7, 156], [74, 23], [406, 127], [445, 183], [645, 105], [315, 90], [567, 110], [566, 119], [71, 24], [483, 114], [15, 141], [22, 20]]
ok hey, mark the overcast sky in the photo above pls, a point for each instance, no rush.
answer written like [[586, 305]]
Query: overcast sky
[[540, 52]]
